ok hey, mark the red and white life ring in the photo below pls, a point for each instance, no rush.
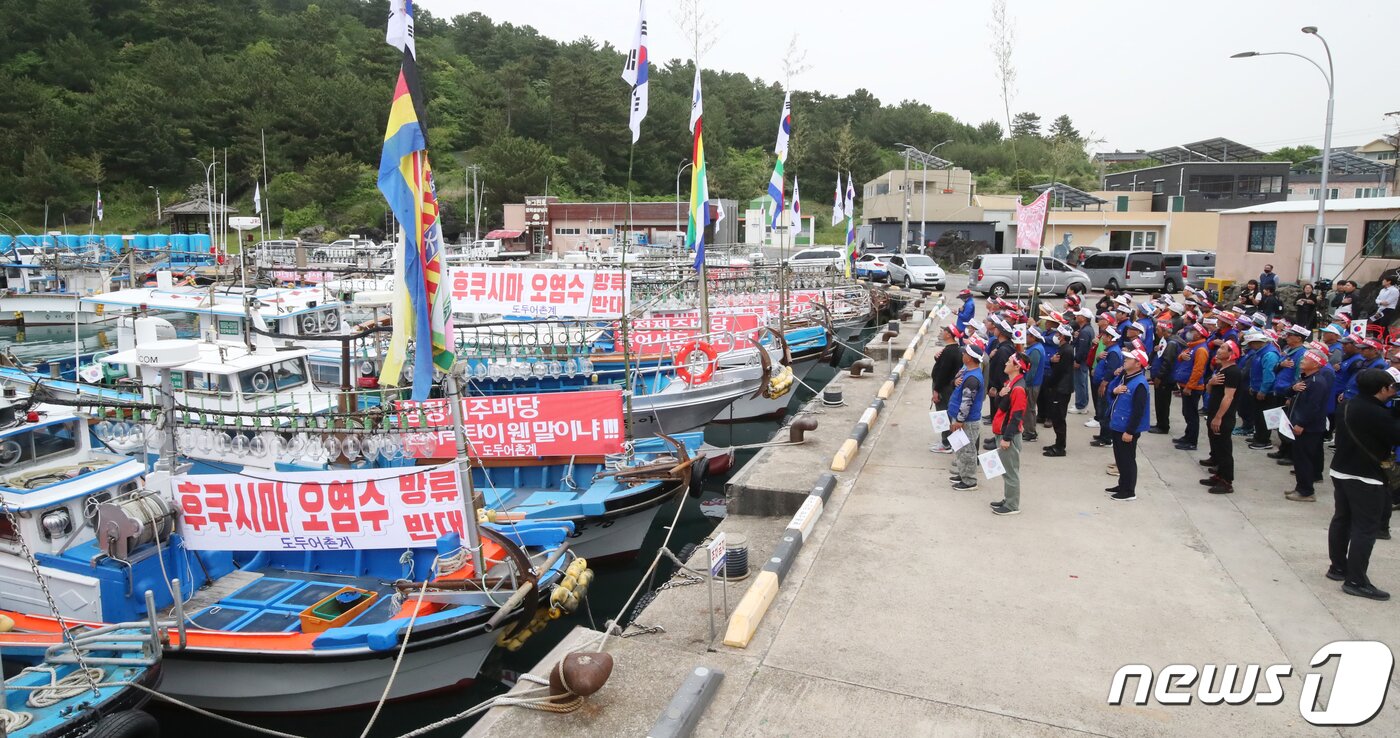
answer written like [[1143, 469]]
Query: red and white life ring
[[683, 369]]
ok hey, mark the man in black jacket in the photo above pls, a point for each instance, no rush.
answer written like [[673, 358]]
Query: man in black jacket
[[1366, 435], [1308, 416], [945, 371], [1163, 387]]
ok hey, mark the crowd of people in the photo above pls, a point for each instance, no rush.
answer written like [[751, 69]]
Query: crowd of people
[[1262, 383]]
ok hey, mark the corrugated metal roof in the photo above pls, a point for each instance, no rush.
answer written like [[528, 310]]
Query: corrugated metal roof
[[1310, 206]]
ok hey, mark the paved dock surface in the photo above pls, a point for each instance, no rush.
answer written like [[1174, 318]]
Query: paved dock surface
[[913, 611]]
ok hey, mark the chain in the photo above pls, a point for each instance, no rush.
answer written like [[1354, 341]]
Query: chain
[[48, 596]]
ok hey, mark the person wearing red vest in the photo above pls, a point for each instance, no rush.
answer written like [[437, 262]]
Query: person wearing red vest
[[1008, 425]]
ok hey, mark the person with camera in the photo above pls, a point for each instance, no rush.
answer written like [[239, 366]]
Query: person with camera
[[1367, 434]]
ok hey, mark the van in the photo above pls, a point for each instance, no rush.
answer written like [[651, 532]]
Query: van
[[998, 275], [1200, 266], [1127, 270]]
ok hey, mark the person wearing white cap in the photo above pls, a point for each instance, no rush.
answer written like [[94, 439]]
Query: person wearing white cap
[[995, 368], [1035, 377], [1308, 416], [1288, 368], [1107, 368], [1059, 388], [1332, 337], [1263, 369], [965, 412], [1083, 348]]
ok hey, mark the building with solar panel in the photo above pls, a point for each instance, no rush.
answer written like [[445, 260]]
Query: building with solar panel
[[1205, 176], [1350, 175]]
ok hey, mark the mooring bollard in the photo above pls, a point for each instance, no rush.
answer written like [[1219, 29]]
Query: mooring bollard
[[798, 428], [861, 366]]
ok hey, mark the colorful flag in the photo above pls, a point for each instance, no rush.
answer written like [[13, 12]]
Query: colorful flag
[[1030, 222], [796, 209], [635, 73], [699, 186], [400, 31], [257, 198], [406, 180], [775, 183], [99, 205], [837, 207]]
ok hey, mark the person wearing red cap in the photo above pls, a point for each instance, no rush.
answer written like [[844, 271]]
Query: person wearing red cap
[[1308, 416], [1222, 390], [1008, 424], [968, 310], [1128, 417], [945, 372]]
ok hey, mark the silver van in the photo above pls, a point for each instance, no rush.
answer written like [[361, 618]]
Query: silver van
[[1127, 270], [1200, 266], [998, 275]]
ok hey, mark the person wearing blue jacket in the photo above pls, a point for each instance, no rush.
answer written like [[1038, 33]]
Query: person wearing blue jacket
[[1035, 377], [1369, 358], [1105, 371], [1308, 416], [1130, 415], [1163, 388], [1263, 369], [968, 311], [1287, 376]]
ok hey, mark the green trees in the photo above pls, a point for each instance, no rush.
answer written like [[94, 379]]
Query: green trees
[[120, 94]]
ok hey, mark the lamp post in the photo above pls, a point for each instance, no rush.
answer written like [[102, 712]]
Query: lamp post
[[1395, 168], [208, 192], [1328, 74], [685, 164], [157, 189]]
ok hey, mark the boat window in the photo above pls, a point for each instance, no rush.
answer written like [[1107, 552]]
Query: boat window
[[325, 373], [50, 440], [205, 382], [273, 377]]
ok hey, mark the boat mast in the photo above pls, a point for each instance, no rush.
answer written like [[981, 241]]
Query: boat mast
[[453, 389]]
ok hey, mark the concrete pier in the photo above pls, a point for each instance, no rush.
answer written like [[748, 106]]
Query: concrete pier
[[912, 611]]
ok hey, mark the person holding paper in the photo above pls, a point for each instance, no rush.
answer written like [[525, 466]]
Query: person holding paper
[[1263, 367], [1308, 417], [965, 407], [1008, 424], [1129, 417], [1285, 380], [945, 372], [1220, 409]]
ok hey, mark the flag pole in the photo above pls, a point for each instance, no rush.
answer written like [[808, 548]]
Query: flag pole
[[622, 322]]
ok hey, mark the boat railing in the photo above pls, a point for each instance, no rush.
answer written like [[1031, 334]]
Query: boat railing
[[142, 641]]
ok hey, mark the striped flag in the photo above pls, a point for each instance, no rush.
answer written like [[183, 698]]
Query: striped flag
[[775, 183], [699, 185], [635, 74], [422, 307], [838, 212], [796, 209]]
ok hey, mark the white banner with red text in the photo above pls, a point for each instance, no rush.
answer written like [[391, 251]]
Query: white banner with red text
[[350, 509]]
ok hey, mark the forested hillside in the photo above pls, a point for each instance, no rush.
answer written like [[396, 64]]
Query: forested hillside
[[122, 94]]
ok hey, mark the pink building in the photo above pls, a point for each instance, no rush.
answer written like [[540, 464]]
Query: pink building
[[1363, 239]]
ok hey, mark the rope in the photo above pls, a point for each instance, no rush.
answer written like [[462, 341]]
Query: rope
[[11, 721], [398, 660], [59, 690]]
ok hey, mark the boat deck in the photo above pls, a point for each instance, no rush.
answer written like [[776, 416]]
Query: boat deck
[[272, 601]]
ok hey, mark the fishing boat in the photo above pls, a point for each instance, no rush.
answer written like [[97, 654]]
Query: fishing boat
[[316, 625], [91, 683]]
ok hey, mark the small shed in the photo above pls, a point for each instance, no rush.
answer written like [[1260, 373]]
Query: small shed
[[192, 216]]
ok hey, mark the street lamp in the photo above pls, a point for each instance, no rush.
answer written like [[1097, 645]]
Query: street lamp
[[685, 164], [1319, 232], [157, 189], [208, 192]]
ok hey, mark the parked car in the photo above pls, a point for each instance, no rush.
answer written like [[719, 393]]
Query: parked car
[[872, 266], [915, 270], [1200, 266], [1127, 270], [817, 258], [998, 275]]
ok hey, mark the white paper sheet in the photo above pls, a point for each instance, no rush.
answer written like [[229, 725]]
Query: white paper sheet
[[991, 464], [940, 421], [957, 439], [944, 313], [1286, 430], [1275, 418]]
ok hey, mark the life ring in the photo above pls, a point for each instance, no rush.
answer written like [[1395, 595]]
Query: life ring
[[261, 382], [10, 452], [683, 369]]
